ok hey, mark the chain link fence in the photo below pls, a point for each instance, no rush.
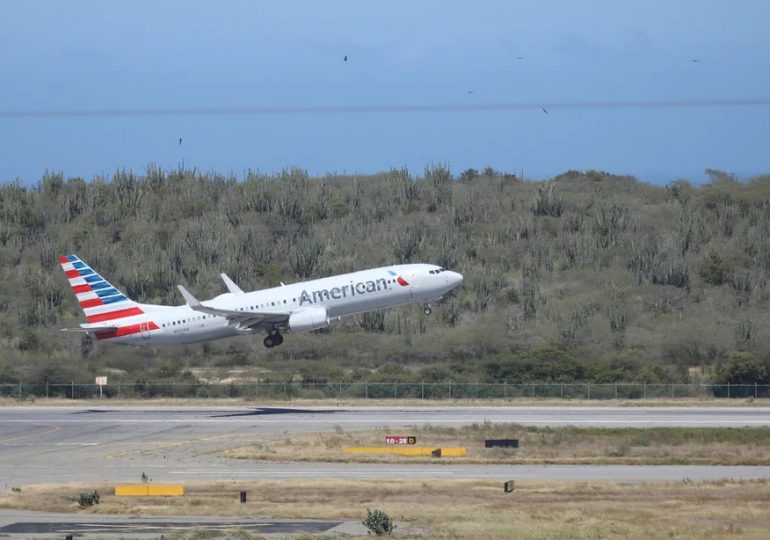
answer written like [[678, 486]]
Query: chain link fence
[[383, 390]]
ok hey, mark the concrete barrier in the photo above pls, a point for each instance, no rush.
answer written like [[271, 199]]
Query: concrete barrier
[[131, 491], [165, 491], [453, 452], [149, 490], [407, 451]]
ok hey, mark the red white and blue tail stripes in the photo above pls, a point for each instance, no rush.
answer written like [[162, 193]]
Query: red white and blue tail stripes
[[98, 298]]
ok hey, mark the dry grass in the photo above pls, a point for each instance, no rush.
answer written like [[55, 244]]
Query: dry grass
[[567, 445], [461, 509]]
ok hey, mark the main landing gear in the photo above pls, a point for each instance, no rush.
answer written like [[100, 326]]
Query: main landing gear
[[426, 308], [273, 339]]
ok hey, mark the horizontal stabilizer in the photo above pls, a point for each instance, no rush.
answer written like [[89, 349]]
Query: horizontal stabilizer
[[91, 329]]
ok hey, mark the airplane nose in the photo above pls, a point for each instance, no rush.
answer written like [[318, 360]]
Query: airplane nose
[[455, 279]]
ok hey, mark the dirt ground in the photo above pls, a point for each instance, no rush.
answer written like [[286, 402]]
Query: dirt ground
[[460, 509]]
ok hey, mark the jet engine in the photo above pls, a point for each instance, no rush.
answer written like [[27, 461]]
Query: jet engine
[[308, 319]]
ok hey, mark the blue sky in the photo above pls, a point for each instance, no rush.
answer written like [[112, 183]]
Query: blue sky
[[78, 55]]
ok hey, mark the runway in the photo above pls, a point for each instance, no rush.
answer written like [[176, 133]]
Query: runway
[[182, 444], [58, 525], [23, 524]]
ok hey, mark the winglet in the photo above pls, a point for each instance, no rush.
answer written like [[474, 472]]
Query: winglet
[[188, 298], [232, 287]]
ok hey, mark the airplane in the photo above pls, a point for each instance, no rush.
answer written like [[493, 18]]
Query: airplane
[[300, 307]]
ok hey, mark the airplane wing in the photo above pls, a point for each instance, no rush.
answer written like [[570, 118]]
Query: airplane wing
[[232, 287], [242, 318]]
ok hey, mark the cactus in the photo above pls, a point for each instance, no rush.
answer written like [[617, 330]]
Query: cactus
[[547, 203]]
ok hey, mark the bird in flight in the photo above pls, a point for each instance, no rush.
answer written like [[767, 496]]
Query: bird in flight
[[695, 60], [545, 110], [180, 141], [519, 58], [470, 92], [345, 59]]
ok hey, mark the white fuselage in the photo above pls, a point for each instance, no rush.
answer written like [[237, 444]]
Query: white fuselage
[[340, 295]]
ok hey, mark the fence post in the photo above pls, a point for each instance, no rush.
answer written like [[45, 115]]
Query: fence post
[[644, 389], [19, 389], [728, 389], [589, 390], [616, 390], [46, 389], [755, 389], [340, 389], [505, 389], [173, 389], [395, 390], [422, 389], [450, 389], [561, 390], [366, 390], [673, 387], [72, 389]]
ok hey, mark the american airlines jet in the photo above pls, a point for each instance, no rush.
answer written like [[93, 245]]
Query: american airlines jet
[[113, 317]]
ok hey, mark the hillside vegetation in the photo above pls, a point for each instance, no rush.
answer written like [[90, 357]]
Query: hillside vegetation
[[588, 276]]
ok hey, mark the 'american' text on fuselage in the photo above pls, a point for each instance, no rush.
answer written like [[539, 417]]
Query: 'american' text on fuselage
[[362, 287]]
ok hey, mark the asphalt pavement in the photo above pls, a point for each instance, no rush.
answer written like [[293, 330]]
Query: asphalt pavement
[[181, 444]]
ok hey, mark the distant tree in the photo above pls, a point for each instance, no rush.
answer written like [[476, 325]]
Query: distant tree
[[468, 174], [743, 369]]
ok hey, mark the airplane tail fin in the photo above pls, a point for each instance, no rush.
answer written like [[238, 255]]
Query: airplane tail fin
[[98, 298]]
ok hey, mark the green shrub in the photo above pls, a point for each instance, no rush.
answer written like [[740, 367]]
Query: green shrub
[[88, 499], [715, 270], [377, 522]]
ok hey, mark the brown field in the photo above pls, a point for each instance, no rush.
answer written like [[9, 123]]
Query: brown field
[[567, 445], [460, 509]]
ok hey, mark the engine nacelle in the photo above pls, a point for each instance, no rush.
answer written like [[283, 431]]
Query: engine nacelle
[[308, 319]]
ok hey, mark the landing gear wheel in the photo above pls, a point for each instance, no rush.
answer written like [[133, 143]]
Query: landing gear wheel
[[273, 339], [426, 309]]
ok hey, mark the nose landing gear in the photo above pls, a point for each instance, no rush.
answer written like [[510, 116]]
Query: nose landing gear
[[273, 339], [426, 309]]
